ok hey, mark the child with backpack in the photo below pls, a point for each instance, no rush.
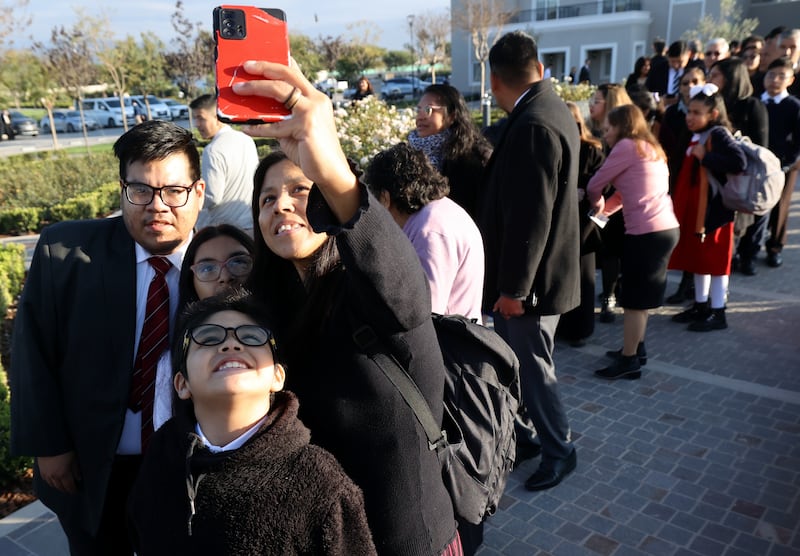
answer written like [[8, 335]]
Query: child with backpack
[[705, 246], [233, 472]]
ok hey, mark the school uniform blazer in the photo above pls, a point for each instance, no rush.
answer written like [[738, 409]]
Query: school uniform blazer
[[72, 352], [529, 217]]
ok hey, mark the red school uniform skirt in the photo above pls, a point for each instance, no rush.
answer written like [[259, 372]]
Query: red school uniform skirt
[[713, 254]]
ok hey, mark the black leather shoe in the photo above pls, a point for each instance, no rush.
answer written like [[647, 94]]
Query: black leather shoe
[[626, 366], [747, 267], [715, 321], [774, 259], [641, 352], [551, 473], [697, 312]]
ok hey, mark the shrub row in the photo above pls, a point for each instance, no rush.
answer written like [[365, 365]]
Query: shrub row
[[100, 202], [12, 275]]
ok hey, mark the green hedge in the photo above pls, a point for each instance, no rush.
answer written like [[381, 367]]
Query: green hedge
[[12, 274], [11, 468]]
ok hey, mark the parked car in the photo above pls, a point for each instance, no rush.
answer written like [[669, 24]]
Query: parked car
[[179, 111], [107, 111], [400, 87], [68, 121], [22, 124], [158, 108]]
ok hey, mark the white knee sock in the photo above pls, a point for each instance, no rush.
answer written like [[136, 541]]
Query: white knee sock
[[719, 291], [702, 284]]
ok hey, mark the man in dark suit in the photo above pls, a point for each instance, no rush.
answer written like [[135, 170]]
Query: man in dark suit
[[664, 79], [529, 222], [585, 75], [78, 329]]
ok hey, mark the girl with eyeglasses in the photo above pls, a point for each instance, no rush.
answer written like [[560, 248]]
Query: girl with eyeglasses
[[218, 258], [233, 472]]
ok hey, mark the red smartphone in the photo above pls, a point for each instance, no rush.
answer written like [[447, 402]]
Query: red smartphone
[[244, 33]]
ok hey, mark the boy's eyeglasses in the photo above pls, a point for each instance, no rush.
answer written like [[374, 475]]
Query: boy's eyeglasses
[[208, 271], [215, 334], [779, 75]]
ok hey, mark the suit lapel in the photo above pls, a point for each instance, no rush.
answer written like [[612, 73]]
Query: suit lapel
[[119, 285]]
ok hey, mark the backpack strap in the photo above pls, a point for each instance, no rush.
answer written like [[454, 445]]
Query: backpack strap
[[369, 342]]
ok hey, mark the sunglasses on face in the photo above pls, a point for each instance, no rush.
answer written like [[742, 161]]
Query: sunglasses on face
[[238, 266], [712, 53]]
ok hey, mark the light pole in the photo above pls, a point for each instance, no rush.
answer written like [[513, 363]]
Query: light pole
[[410, 19]]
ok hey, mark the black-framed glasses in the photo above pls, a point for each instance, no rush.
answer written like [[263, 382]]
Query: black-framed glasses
[[238, 266], [246, 334], [428, 109], [171, 195]]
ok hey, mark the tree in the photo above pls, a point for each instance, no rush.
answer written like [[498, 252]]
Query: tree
[[21, 73], [146, 67], [192, 61], [360, 53], [68, 61], [729, 25], [14, 19], [306, 54], [395, 58], [330, 50], [483, 20], [433, 33]]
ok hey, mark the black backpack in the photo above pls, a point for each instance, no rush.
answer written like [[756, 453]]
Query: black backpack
[[476, 442]]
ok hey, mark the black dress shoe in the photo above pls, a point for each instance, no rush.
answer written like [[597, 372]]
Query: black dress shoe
[[626, 366], [774, 259], [747, 267], [715, 321], [697, 312], [551, 473], [641, 352]]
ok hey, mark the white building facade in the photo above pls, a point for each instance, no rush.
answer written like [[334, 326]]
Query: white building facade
[[612, 34]]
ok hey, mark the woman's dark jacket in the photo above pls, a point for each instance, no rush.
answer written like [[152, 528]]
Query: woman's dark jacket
[[749, 115], [275, 495], [352, 409]]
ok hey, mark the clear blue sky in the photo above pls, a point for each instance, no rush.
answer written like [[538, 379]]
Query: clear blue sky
[[387, 19]]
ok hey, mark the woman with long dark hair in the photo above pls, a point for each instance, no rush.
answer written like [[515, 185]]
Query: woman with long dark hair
[[453, 144], [331, 262]]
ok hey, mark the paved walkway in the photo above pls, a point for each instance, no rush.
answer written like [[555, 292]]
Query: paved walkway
[[699, 457]]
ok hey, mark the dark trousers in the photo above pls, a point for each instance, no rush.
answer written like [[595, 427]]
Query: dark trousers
[[532, 339], [112, 538], [753, 238], [578, 323], [779, 216]]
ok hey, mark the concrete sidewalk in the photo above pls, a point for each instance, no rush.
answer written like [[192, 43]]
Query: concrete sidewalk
[[699, 457]]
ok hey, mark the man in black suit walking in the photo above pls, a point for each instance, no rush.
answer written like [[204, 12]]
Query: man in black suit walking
[[81, 321], [529, 222]]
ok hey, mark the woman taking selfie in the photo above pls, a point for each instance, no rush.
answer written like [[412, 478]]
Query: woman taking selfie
[[329, 259]]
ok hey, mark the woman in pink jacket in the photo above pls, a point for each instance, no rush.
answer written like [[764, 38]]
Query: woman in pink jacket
[[637, 168]]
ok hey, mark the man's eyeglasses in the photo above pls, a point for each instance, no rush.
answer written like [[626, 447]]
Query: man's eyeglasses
[[208, 271], [215, 334], [427, 110], [714, 53], [171, 195]]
